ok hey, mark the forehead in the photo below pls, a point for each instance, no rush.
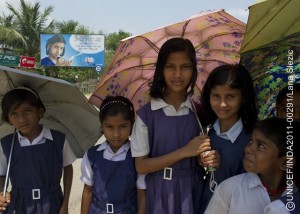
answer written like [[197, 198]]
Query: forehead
[[224, 89], [115, 119], [21, 106], [178, 57], [258, 136], [58, 44]]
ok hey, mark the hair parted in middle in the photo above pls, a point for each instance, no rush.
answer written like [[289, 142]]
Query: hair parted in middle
[[173, 45], [114, 105], [235, 76]]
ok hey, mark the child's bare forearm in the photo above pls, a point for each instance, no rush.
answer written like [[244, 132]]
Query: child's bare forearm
[[141, 199], [86, 200], [67, 182]]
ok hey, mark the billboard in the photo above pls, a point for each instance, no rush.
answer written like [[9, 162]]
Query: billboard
[[72, 50]]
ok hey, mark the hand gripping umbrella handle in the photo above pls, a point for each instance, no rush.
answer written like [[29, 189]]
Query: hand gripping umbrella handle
[[8, 164]]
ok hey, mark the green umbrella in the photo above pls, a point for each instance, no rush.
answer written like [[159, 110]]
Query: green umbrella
[[269, 21]]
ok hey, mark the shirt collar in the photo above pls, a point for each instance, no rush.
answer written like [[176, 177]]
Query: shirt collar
[[105, 146], [232, 133], [45, 134], [254, 181], [158, 103]]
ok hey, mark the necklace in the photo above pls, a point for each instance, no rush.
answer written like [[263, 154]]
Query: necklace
[[274, 192]]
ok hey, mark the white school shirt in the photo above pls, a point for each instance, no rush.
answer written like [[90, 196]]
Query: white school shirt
[[276, 207], [87, 171], [68, 155], [232, 134], [242, 193], [139, 136]]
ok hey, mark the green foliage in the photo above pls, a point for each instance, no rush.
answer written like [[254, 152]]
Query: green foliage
[[113, 40], [29, 21]]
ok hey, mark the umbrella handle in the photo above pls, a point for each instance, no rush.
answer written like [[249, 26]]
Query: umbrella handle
[[8, 164]]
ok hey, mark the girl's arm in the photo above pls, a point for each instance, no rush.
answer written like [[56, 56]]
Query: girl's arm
[[195, 147], [67, 182], [141, 200], [86, 200]]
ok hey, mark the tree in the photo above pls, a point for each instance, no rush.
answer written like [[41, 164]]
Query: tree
[[70, 27], [9, 38], [113, 40], [30, 22]]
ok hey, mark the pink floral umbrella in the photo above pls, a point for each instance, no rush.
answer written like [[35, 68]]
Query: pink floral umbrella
[[216, 36]]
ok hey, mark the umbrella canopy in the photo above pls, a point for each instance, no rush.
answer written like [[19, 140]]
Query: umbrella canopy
[[270, 50], [216, 36], [269, 21], [67, 109]]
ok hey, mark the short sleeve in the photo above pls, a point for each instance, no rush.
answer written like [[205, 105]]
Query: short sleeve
[[86, 171], [141, 183], [68, 155], [3, 162], [276, 207], [139, 139], [217, 203]]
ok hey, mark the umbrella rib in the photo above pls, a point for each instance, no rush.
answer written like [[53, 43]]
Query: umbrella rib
[[153, 46], [141, 87], [184, 28], [10, 80], [232, 21]]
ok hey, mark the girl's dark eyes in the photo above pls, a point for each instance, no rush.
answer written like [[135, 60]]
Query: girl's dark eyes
[[170, 67]]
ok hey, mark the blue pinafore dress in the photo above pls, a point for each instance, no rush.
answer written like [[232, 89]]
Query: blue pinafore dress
[[178, 188], [35, 175], [114, 187]]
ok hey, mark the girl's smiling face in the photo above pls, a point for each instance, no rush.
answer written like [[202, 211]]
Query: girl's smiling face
[[226, 103], [178, 72]]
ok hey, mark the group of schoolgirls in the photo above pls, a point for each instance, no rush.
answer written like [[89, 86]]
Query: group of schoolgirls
[[180, 159]]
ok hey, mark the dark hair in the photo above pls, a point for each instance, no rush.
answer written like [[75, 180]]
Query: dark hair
[[57, 38], [114, 105], [157, 86], [237, 77], [275, 129], [283, 92], [15, 97]]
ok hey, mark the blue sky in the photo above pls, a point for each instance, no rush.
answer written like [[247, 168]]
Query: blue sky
[[134, 16]]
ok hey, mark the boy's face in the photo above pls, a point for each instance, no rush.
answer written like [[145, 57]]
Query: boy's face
[[261, 156], [56, 50], [282, 109], [25, 118]]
